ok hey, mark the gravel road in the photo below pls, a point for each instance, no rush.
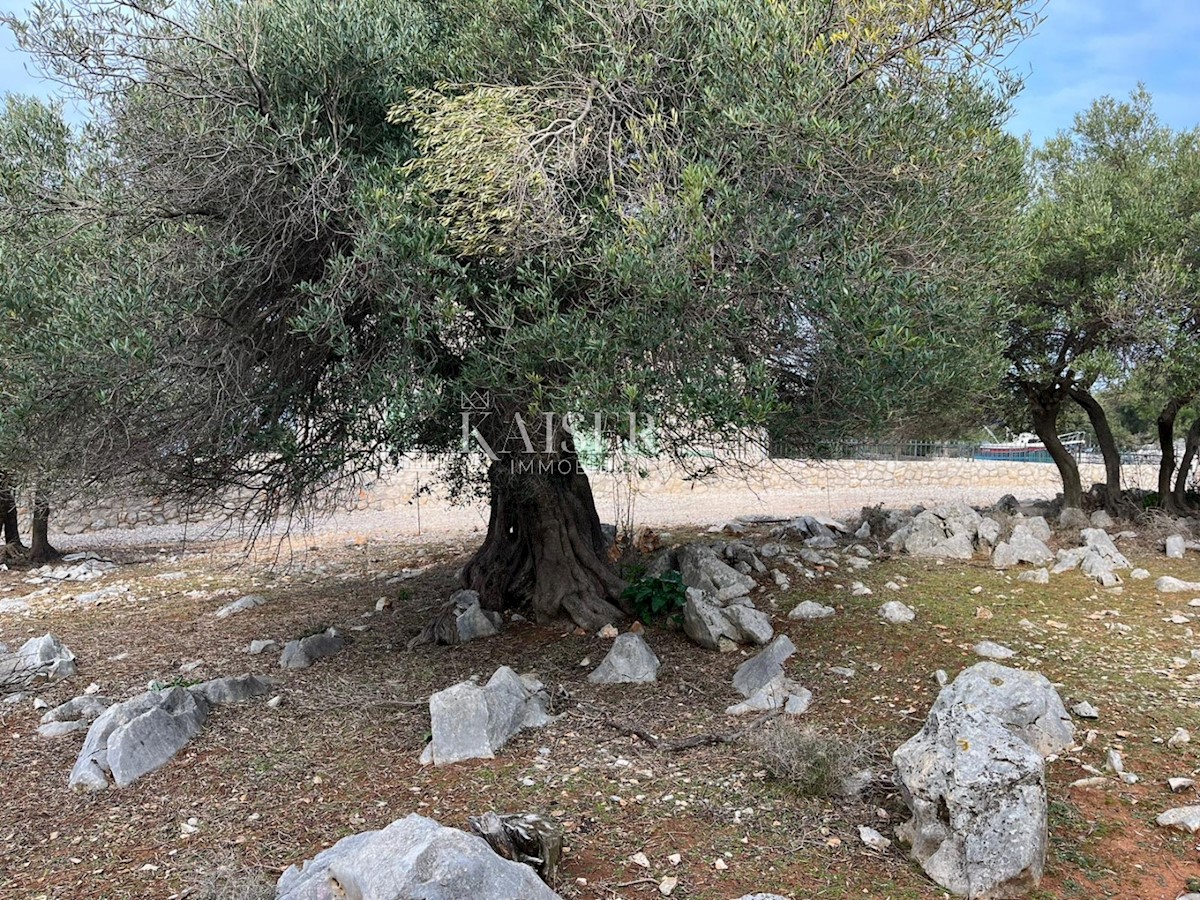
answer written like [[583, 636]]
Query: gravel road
[[438, 521]]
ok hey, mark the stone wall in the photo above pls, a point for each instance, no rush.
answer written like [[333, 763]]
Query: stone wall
[[400, 488], [81, 515]]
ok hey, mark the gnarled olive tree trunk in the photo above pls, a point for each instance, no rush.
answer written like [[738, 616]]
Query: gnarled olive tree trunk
[[8, 508], [1108, 445], [1044, 407], [1166, 443], [40, 549], [544, 545], [1190, 448]]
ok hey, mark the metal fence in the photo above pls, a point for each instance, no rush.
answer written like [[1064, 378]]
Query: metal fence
[[933, 450]]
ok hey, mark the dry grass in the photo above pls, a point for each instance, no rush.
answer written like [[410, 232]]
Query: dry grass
[[226, 878], [815, 763]]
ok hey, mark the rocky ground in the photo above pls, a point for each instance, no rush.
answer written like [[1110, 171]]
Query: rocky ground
[[271, 782]]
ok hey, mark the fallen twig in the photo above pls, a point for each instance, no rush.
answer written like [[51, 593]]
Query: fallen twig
[[625, 884], [697, 740]]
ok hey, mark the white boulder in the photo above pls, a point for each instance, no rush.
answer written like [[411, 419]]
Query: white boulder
[[978, 799], [412, 857]]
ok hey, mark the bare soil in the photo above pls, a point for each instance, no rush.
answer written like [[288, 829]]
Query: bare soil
[[271, 787]]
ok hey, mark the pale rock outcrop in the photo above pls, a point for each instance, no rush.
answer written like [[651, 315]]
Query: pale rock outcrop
[[413, 857], [630, 661], [1025, 703], [978, 799], [133, 738], [472, 722]]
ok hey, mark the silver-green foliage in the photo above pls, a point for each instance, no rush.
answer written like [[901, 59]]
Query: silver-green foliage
[[724, 215]]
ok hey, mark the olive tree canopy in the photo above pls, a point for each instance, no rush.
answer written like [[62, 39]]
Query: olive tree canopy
[[724, 216]]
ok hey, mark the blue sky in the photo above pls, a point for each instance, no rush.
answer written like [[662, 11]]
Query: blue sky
[[1088, 48], [1083, 49]]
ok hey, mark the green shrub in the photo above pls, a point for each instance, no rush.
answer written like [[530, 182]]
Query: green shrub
[[657, 597]]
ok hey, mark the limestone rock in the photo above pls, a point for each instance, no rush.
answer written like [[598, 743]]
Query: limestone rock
[[413, 857], [896, 613], [958, 518], [1022, 546], [84, 708], [1101, 555], [1182, 818], [136, 737], [240, 605], [472, 722], [989, 531], [630, 661], [700, 568], [992, 650], [1175, 546], [267, 646], [873, 838], [232, 690], [779, 691], [810, 609], [50, 730], [302, 653], [1085, 710], [764, 667], [45, 658], [753, 626], [1101, 519], [1038, 527], [705, 622], [1025, 703], [947, 532], [473, 621], [1170, 585], [978, 799], [1072, 517], [727, 527], [1180, 737], [1035, 576], [1068, 559], [956, 546], [459, 725], [807, 527]]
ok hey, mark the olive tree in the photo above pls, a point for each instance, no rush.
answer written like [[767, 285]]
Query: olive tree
[[377, 226], [1106, 286], [68, 338]]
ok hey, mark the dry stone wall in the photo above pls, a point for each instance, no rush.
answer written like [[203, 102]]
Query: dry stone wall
[[416, 484]]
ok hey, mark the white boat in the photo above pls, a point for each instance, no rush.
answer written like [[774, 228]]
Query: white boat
[[1028, 447]]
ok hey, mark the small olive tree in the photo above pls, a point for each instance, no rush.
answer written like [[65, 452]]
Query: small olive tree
[[1108, 287]]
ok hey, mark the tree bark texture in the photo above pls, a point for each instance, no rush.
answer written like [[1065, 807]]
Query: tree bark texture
[[40, 550], [545, 547], [1108, 445], [1190, 448], [1044, 406], [8, 508], [1166, 443]]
